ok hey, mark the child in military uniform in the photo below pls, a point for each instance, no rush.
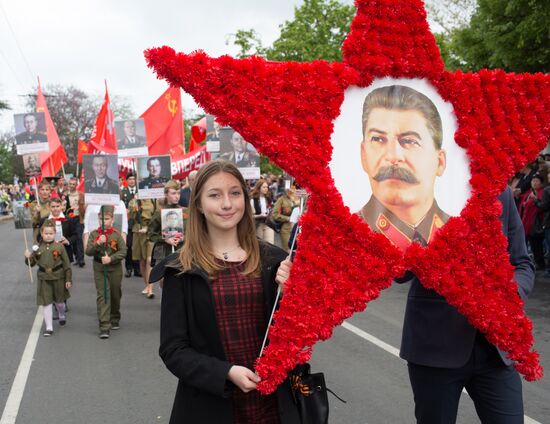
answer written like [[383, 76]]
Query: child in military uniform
[[108, 249], [54, 275]]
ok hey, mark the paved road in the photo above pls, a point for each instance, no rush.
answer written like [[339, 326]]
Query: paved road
[[76, 377]]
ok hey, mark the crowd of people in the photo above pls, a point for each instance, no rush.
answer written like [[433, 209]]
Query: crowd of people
[[531, 189], [128, 233]]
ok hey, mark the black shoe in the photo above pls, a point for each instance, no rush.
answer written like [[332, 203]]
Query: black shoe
[[115, 325], [81, 264], [104, 334], [151, 296], [128, 273], [47, 333], [137, 274], [62, 322]]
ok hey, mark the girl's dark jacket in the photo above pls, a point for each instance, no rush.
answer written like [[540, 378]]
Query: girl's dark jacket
[[191, 346]]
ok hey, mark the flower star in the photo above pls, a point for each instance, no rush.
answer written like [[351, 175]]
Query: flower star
[[287, 109]]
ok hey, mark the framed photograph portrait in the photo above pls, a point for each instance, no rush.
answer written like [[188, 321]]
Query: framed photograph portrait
[[30, 132], [172, 223], [131, 138], [22, 215], [31, 164], [101, 179], [234, 148], [152, 173], [395, 161]]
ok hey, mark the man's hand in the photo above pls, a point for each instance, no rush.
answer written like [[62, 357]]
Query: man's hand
[[173, 241], [68, 285], [106, 260], [64, 241], [102, 239], [243, 378]]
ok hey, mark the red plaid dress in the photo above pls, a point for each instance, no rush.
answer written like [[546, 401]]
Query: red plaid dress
[[239, 303]]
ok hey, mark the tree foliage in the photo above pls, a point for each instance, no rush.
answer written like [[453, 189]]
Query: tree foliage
[[513, 35], [317, 31]]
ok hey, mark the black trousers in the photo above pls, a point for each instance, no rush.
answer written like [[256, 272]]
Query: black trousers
[[494, 388]]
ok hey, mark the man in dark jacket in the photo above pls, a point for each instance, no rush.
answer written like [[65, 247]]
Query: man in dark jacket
[[446, 354]]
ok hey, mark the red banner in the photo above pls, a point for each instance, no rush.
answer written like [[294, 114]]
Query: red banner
[[189, 162], [52, 160], [198, 134], [83, 149]]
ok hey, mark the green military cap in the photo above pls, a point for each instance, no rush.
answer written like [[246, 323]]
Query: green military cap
[[48, 223], [107, 210], [172, 185]]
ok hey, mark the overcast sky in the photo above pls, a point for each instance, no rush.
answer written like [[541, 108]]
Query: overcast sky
[[84, 42]]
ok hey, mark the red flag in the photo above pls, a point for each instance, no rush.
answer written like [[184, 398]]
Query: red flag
[[52, 160], [83, 149], [198, 134], [164, 125], [103, 136]]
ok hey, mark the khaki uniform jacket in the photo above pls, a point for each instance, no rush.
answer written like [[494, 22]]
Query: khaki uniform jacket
[[52, 261], [142, 216], [115, 249]]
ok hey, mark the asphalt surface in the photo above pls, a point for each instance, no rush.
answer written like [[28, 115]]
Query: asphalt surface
[[77, 378]]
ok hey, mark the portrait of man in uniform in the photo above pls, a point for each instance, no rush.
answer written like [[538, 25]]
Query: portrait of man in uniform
[[127, 134], [241, 155], [97, 181], [172, 223], [35, 128], [158, 170], [31, 164], [402, 154]]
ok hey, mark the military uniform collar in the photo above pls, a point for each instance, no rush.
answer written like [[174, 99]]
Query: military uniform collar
[[401, 234]]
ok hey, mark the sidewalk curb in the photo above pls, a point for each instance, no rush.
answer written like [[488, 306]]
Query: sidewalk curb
[[6, 218]]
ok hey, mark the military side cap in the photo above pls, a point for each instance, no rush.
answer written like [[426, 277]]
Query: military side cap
[[172, 185], [107, 210]]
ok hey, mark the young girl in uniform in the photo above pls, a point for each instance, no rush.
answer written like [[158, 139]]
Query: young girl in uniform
[[218, 294], [54, 275]]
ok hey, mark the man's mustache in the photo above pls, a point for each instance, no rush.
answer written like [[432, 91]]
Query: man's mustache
[[395, 173]]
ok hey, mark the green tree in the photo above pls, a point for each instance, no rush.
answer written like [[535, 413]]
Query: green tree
[[4, 106], [317, 31], [513, 35], [10, 163]]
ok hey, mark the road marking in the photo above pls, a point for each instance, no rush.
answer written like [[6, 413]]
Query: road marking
[[20, 381], [395, 352]]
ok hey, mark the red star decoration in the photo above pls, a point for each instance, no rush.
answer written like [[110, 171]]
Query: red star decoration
[[286, 110]]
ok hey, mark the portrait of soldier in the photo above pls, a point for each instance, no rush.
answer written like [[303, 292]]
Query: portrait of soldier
[[172, 223], [127, 135], [157, 175], [31, 163], [97, 180], [240, 155], [32, 133], [401, 152]]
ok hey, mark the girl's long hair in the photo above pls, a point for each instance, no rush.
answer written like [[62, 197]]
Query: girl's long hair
[[197, 249], [256, 191]]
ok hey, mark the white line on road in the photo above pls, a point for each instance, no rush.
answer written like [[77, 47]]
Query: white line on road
[[20, 381], [395, 352]]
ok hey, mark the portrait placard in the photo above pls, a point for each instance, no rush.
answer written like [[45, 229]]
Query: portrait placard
[[172, 223], [101, 179], [30, 132], [21, 214], [395, 161], [153, 172], [31, 164], [244, 155], [131, 138]]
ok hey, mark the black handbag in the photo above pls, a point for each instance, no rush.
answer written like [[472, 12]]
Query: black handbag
[[310, 394], [271, 223]]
